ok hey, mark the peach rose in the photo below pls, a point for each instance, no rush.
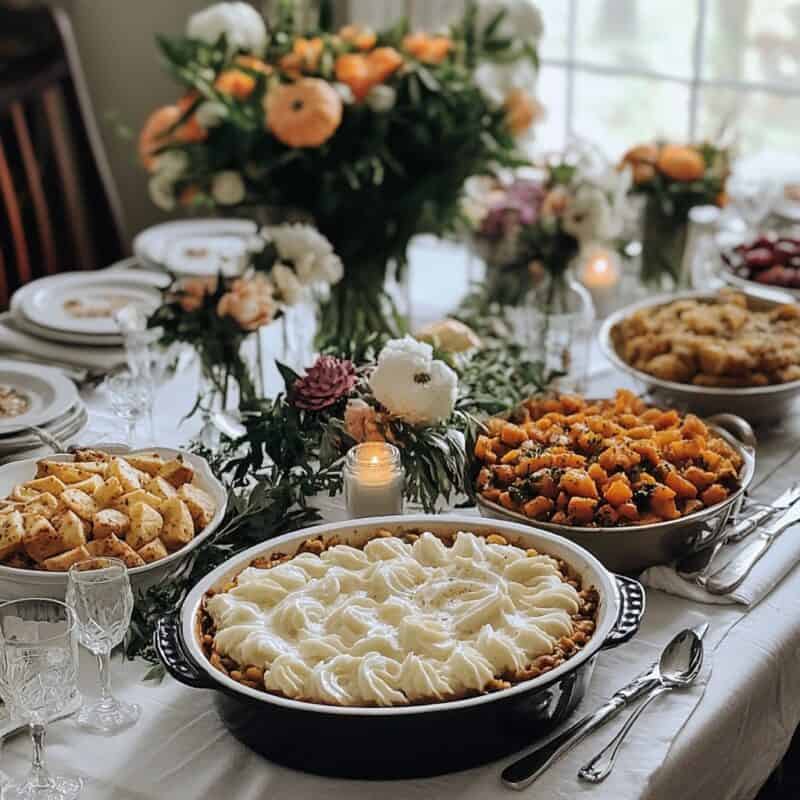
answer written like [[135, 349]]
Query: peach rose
[[522, 111], [361, 422], [249, 302], [192, 292], [555, 202]]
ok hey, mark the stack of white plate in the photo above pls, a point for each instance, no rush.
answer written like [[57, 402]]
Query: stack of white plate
[[77, 308], [197, 246], [46, 400]]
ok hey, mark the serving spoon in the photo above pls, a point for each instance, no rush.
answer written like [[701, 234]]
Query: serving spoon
[[678, 668]]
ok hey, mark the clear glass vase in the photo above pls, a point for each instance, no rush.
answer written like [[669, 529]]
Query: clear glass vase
[[557, 318], [663, 244]]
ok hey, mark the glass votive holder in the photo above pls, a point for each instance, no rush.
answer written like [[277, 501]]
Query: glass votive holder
[[374, 480]]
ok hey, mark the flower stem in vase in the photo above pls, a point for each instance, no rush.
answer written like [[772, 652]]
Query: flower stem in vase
[[663, 243]]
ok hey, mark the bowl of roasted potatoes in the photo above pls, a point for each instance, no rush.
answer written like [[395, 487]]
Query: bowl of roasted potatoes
[[150, 509]]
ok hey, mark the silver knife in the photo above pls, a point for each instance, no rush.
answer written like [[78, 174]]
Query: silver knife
[[526, 770], [728, 577], [748, 524]]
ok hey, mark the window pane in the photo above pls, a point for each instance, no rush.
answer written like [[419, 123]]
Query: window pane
[[554, 40], [616, 113], [761, 120], [551, 134], [654, 35], [754, 40]]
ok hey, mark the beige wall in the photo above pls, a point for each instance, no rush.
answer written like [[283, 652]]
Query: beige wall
[[127, 79]]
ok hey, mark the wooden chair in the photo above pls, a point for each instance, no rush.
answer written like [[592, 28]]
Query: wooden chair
[[59, 209]]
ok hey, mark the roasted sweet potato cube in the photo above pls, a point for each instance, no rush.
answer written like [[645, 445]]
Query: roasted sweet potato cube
[[507, 501], [538, 507], [715, 493], [576, 482], [668, 419], [682, 487], [581, 509], [693, 426], [504, 474], [628, 511], [598, 474], [662, 502], [700, 478], [617, 492]]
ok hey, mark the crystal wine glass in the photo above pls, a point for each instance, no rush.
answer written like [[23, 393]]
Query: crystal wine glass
[[39, 666], [131, 399], [753, 198], [100, 592]]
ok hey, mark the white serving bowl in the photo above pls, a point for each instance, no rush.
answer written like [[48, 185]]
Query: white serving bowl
[[17, 583]]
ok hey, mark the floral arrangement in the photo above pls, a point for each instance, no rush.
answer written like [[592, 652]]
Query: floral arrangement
[[531, 228], [672, 178], [371, 134], [215, 315]]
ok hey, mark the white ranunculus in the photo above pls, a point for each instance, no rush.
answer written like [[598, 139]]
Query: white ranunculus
[[171, 164], [227, 188], [522, 19], [381, 98], [242, 25], [162, 191], [291, 290], [410, 384], [497, 80], [210, 114], [588, 215], [308, 250], [345, 93]]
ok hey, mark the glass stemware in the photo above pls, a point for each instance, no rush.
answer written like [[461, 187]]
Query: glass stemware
[[753, 198], [99, 591], [131, 399], [39, 667]]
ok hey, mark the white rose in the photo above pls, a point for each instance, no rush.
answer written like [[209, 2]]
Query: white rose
[[588, 214], [227, 188], [497, 80], [308, 250], [210, 114], [522, 19], [381, 98], [162, 191], [242, 25], [410, 384], [172, 164], [291, 290]]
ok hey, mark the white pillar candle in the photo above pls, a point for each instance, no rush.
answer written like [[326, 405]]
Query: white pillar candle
[[600, 273], [373, 480]]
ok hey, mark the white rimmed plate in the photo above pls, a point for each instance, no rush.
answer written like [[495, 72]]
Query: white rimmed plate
[[84, 302], [48, 392], [62, 427], [196, 246]]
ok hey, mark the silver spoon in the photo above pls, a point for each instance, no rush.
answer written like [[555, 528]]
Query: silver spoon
[[678, 668]]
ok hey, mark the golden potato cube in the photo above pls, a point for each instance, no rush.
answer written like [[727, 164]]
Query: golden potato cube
[[153, 551], [49, 484], [95, 467], [127, 501], [79, 502], [106, 494], [177, 472], [90, 485], [200, 504], [63, 470], [11, 532], [72, 530], [161, 487], [146, 525], [62, 562], [41, 540], [149, 463], [92, 455], [114, 547], [127, 475], [24, 494], [44, 505], [178, 524], [109, 521]]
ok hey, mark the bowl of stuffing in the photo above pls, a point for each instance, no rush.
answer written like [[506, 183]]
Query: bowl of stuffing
[[711, 352]]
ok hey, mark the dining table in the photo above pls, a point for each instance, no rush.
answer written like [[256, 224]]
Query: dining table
[[719, 739]]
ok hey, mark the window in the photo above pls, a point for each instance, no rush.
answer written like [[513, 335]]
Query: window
[[619, 71]]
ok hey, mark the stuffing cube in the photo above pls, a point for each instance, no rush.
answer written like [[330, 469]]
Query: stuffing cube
[[200, 504], [178, 524], [146, 525]]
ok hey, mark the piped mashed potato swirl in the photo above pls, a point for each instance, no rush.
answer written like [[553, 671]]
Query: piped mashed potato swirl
[[395, 623]]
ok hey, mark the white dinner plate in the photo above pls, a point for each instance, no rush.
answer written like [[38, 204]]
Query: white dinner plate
[[197, 246], [84, 302], [75, 425], [25, 325], [14, 440], [48, 392]]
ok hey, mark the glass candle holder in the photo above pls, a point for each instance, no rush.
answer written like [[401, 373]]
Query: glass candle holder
[[373, 480]]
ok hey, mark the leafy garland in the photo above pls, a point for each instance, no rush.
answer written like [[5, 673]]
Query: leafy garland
[[290, 454]]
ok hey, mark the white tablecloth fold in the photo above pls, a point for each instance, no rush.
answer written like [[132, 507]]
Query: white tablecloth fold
[[767, 573]]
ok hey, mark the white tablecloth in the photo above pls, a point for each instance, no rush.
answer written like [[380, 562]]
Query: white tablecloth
[[719, 741]]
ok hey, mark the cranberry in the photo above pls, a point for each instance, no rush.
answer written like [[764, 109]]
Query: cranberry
[[783, 251], [774, 276], [760, 258]]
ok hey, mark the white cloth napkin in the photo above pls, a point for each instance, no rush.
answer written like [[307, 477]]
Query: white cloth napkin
[[15, 341], [767, 573]]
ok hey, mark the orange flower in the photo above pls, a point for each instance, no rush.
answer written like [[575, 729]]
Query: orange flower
[[159, 130], [362, 72], [428, 49], [642, 160], [358, 36], [681, 163], [254, 64], [522, 110], [305, 113], [722, 199], [249, 302], [555, 202], [235, 83], [192, 291], [361, 422], [304, 57]]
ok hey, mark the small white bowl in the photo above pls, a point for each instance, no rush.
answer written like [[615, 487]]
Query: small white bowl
[[18, 583]]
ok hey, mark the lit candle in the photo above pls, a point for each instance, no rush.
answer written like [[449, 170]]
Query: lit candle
[[600, 274], [373, 480]]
